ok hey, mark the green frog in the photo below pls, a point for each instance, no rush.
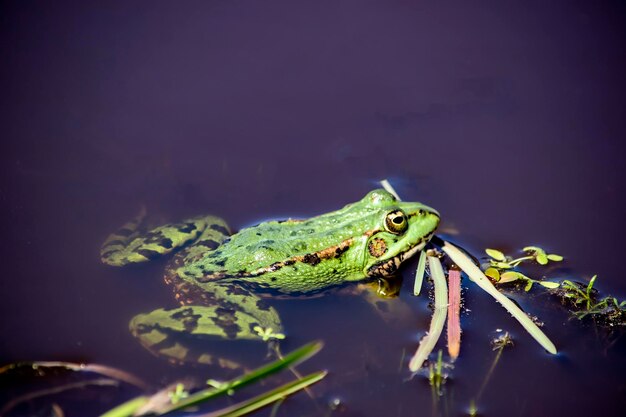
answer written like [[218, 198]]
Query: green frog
[[223, 281]]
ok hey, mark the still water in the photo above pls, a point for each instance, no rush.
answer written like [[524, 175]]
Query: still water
[[508, 119]]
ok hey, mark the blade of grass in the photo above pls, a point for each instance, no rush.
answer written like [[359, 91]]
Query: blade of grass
[[128, 408], [454, 312], [476, 275], [291, 359], [438, 319], [389, 188], [267, 398], [419, 273]]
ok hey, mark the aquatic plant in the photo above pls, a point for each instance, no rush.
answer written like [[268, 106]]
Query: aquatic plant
[[584, 302], [476, 275], [501, 267], [428, 342], [177, 396]]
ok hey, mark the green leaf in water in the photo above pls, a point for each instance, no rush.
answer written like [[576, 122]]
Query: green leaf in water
[[493, 273], [510, 276], [495, 254], [528, 286], [549, 284]]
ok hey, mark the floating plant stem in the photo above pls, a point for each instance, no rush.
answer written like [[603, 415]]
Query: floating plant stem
[[266, 398], [483, 282], [291, 359], [128, 408], [389, 188], [454, 313], [438, 319], [419, 273]]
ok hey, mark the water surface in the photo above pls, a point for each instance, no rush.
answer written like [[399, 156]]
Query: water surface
[[509, 119]]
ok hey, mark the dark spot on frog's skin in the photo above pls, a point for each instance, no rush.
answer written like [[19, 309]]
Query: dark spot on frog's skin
[[220, 229], [187, 228], [275, 266], [227, 321], [273, 279], [377, 247], [258, 233], [221, 262], [263, 305], [311, 259], [289, 262], [149, 254], [236, 290], [209, 243], [188, 319], [166, 243], [334, 271], [341, 250], [293, 233], [382, 306]]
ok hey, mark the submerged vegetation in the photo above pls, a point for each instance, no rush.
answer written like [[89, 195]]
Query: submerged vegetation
[[583, 300], [180, 395]]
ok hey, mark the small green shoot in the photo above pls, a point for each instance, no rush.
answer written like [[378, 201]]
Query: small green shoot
[[268, 334], [501, 267], [501, 261], [178, 394], [435, 373], [419, 274], [585, 302]]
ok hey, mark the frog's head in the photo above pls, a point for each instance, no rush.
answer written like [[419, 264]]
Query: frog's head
[[402, 230]]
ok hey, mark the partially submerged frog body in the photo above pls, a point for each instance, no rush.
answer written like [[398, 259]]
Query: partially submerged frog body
[[223, 282]]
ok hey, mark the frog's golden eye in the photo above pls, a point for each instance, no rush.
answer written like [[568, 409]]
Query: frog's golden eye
[[396, 222]]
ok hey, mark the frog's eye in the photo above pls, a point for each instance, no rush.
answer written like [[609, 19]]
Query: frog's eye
[[396, 222]]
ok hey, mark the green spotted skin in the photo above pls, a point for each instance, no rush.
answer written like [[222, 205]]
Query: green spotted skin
[[223, 282]]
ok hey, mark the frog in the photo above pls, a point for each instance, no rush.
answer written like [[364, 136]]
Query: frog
[[224, 282]]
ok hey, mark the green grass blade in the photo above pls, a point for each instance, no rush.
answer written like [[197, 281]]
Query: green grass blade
[[419, 274], [429, 341], [267, 398], [476, 275], [291, 359], [389, 188]]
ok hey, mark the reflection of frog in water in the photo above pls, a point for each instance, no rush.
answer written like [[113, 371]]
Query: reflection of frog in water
[[220, 279]]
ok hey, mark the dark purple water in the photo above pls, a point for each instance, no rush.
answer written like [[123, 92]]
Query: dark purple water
[[508, 118]]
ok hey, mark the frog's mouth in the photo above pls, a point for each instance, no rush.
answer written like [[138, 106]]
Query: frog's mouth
[[391, 265]]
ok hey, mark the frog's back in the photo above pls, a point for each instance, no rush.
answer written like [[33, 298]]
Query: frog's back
[[299, 249]]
